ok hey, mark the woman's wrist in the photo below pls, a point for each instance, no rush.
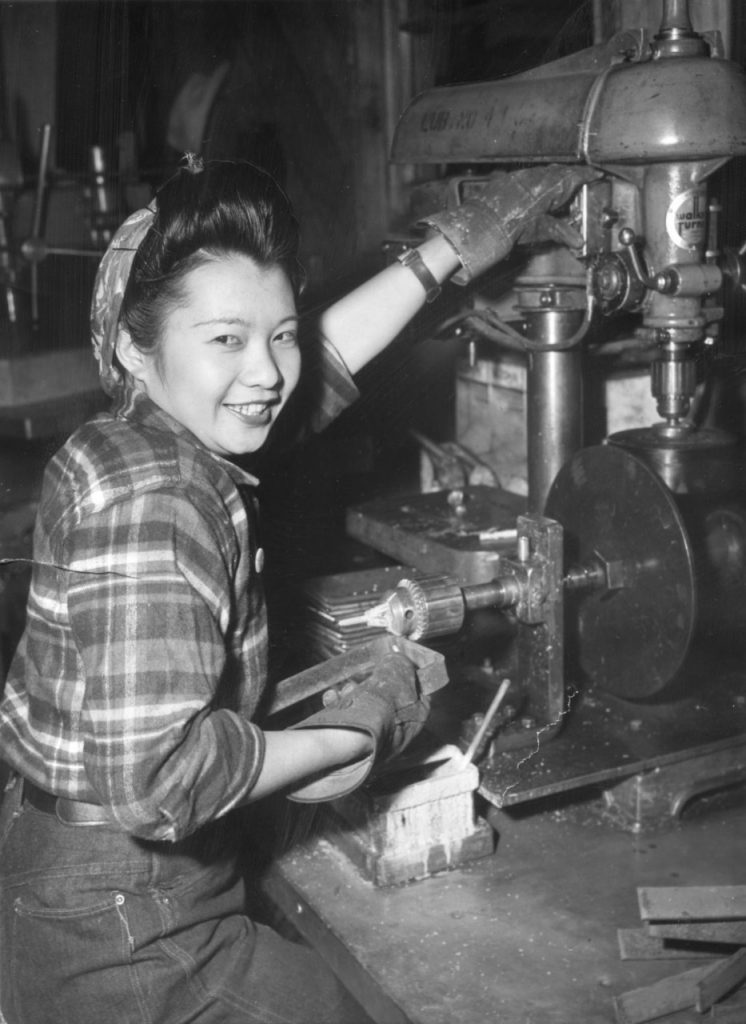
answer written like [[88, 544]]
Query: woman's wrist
[[439, 256], [293, 755], [342, 746]]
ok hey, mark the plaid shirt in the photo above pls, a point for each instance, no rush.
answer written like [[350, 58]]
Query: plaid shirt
[[145, 649]]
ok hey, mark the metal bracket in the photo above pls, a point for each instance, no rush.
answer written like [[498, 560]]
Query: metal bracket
[[540, 640]]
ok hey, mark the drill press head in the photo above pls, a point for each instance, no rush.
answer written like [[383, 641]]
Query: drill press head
[[659, 115]]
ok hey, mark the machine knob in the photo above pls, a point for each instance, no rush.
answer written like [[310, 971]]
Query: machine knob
[[616, 284]]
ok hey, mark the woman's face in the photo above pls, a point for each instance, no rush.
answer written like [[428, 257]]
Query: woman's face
[[228, 358]]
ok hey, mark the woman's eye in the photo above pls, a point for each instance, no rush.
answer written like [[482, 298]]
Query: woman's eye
[[286, 338], [227, 340]]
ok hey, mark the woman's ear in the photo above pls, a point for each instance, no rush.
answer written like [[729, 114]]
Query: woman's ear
[[129, 355]]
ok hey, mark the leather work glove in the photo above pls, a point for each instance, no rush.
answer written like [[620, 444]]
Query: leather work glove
[[513, 207], [387, 705]]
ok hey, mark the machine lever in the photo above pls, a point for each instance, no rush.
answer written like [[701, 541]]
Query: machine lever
[[663, 282]]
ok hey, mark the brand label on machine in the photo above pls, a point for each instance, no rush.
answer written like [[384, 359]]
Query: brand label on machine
[[686, 220]]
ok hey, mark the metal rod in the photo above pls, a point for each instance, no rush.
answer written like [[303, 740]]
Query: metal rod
[[52, 250], [41, 181], [498, 594], [471, 750], [585, 577], [41, 184], [554, 418], [676, 20]]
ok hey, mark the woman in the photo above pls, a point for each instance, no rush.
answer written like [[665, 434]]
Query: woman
[[128, 717]]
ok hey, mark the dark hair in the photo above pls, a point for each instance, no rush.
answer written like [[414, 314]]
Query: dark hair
[[224, 208]]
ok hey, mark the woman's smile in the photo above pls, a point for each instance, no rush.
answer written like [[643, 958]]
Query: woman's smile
[[255, 413]]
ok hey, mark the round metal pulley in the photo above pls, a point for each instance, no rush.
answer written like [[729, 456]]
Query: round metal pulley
[[632, 630]]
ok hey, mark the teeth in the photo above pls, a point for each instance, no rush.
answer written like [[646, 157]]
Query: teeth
[[250, 409]]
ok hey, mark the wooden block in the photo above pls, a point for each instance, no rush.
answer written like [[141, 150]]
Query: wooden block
[[666, 996], [395, 867], [639, 944], [732, 1011], [720, 980], [422, 823], [729, 933], [693, 903]]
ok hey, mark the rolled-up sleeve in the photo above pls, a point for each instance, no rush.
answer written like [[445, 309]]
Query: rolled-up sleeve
[[150, 605]]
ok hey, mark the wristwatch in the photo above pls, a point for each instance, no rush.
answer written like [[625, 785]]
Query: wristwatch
[[411, 259]]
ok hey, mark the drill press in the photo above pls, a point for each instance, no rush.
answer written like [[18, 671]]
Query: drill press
[[623, 589]]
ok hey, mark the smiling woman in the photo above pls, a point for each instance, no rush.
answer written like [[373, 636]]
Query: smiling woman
[[132, 703], [227, 359]]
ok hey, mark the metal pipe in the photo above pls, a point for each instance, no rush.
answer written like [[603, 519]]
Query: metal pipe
[[554, 393], [676, 21]]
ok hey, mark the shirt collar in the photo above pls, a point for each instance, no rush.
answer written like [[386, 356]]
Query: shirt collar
[[134, 405]]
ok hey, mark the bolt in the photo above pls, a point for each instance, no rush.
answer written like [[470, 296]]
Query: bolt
[[609, 218]]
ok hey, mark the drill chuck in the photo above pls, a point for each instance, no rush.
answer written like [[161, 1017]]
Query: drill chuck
[[421, 609]]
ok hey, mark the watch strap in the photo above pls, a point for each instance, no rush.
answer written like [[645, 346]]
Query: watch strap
[[412, 259]]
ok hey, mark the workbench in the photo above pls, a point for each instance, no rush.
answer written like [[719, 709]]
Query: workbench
[[527, 935]]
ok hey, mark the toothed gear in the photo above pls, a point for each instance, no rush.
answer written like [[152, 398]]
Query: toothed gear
[[419, 607]]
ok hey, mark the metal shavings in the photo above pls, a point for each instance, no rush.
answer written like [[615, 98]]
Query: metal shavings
[[550, 727]]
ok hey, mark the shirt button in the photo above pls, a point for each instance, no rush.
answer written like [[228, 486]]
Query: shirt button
[[259, 559]]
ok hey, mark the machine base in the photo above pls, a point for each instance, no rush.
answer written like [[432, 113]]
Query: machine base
[[655, 798], [605, 739]]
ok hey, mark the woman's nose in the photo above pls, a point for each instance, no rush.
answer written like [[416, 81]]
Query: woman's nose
[[260, 368]]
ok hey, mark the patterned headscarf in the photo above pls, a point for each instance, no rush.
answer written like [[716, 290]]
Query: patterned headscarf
[[108, 292]]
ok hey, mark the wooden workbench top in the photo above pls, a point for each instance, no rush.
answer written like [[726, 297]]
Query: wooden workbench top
[[526, 936]]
